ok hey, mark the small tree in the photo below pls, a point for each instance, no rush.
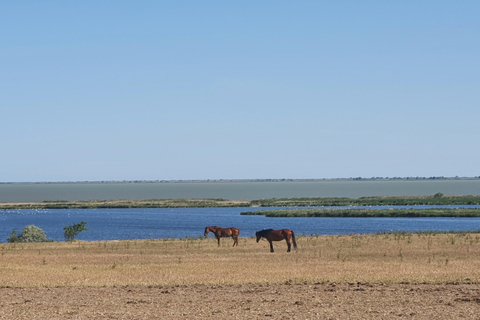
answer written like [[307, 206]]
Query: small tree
[[13, 237], [72, 231]]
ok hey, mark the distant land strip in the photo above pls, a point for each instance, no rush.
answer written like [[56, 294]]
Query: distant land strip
[[105, 204], [369, 213], [248, 180], [437, 199]]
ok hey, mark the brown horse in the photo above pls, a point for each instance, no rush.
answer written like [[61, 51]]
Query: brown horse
[[277, 235], [223, 232]]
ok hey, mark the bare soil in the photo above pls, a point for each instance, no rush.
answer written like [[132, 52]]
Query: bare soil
[[389, 276], [246, 301]]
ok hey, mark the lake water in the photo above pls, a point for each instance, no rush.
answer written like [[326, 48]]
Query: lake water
[[120, 224], [117, 224], [237, 190]]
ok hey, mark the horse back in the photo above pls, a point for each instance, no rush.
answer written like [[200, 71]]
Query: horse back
[[276, 235], [225, 232], [235, 232]]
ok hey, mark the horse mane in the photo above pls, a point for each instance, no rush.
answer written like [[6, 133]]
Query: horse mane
[[264, 232]]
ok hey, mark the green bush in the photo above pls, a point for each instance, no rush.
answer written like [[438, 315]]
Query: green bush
[[30, 233], [72, 231], [13, 237]]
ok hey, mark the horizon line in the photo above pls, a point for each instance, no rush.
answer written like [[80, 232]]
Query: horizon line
[[244, 180]]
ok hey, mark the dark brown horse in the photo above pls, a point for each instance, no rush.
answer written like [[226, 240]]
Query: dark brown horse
[[277, 235], [223, 232]]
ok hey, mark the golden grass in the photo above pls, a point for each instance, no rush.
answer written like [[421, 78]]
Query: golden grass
[[387, 258]]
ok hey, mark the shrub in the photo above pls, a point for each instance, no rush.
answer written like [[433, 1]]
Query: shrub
[[72, 231], [13, 237], [30, 233]]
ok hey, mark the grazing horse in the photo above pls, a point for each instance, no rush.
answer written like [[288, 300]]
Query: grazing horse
[[223, 232], [277, 235]]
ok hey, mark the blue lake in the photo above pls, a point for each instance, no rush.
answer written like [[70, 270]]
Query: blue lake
[[122, 224]]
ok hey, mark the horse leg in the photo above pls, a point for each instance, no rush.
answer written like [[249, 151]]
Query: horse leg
[[288, 244], [235, 241], [271, 245], [218, 239]]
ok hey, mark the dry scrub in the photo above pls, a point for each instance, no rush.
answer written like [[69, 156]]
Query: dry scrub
[[383, 258], [424, 276]]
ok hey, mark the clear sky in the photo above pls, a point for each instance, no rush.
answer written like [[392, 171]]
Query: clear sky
[[167, 90]]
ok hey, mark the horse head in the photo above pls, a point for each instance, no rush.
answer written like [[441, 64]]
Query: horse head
[[208, 229], [263, 234]]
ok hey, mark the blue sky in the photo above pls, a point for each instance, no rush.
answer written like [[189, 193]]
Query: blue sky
[[167, 90]]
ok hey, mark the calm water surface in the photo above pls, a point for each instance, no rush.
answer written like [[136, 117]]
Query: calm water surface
[[241, 190], [119, 224], [116, 224]]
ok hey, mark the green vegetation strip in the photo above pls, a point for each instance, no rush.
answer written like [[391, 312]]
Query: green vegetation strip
[[365, 213], [437, 199], [108, 204]]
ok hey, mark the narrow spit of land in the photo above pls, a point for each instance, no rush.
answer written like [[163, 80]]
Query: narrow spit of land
[[368, 213], [300, 205], [437, 199]]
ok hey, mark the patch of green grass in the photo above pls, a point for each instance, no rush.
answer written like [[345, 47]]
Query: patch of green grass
[[366, 213], [437, 199]]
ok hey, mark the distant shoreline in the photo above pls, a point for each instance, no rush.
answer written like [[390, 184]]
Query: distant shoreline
[[249, 180]]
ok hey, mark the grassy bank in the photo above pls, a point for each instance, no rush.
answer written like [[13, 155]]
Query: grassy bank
[[103, 204], [379, 258], [365, 213], [437, 199]]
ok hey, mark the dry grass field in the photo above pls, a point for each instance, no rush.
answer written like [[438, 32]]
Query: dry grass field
[[418, 276]]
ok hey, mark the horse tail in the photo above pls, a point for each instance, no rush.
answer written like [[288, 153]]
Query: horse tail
[[293, 240]]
